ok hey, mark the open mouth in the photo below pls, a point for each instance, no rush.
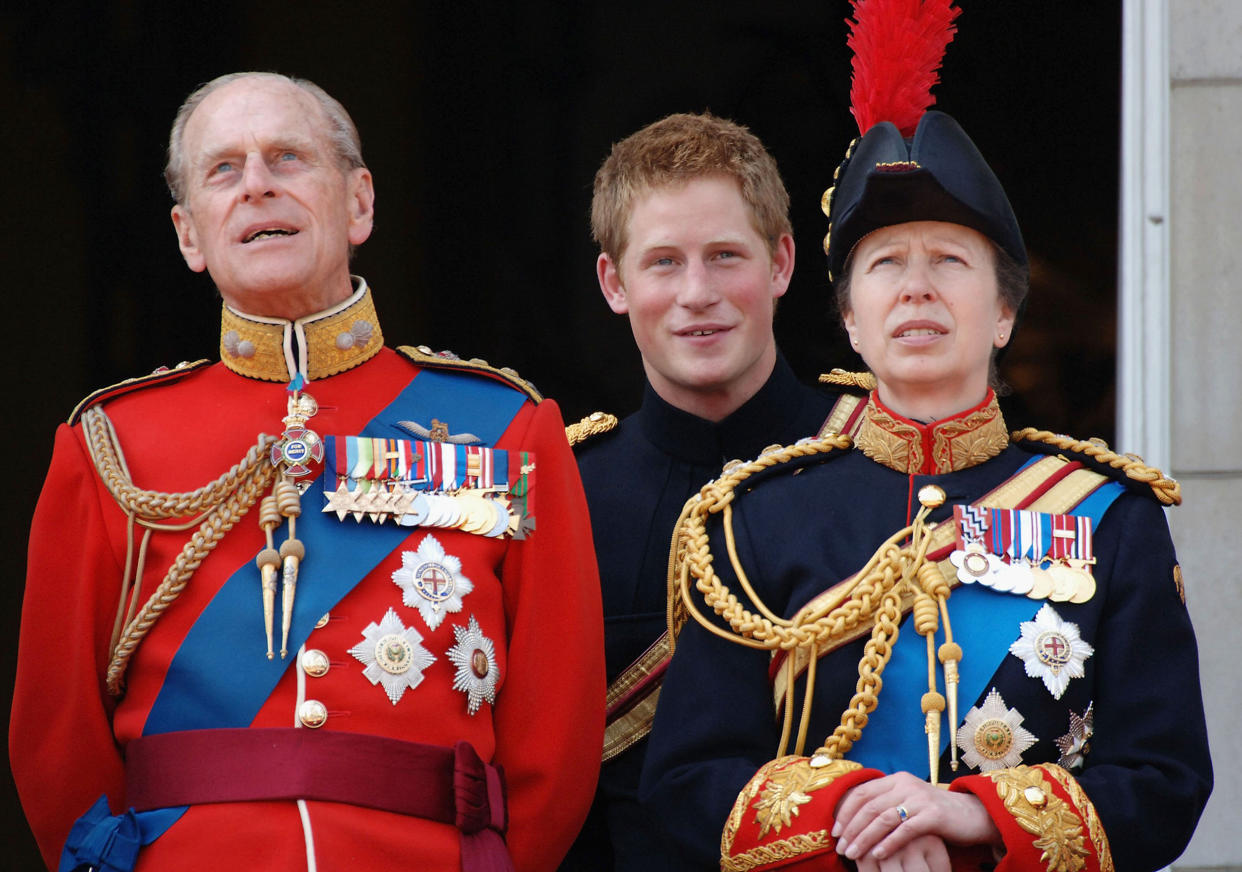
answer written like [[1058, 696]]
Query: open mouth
[[919, 331], [268, 233]]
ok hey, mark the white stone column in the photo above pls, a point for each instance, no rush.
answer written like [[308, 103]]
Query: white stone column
[[1204, 333]]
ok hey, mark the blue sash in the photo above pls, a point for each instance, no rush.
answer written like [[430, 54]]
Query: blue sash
[[227, 638], [991, 616]]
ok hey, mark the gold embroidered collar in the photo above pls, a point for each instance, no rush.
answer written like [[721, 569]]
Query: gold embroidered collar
[[964, 440], [319, 345]]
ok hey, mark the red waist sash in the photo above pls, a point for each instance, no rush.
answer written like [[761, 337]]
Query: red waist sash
[[449, 785]]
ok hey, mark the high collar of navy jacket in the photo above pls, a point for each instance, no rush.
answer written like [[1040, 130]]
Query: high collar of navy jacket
[[948, 445], [741, 436]]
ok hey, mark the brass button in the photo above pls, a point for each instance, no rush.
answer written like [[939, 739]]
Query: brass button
[[932, 496], [1036, 797], [315, 663], [322, 622], [312, 713]]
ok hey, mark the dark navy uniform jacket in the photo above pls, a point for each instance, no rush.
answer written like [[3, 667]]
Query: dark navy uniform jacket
[[1146, 769], [637, 478]]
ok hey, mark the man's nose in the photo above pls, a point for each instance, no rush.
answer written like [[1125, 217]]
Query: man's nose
[[257, 178], [699, 289]]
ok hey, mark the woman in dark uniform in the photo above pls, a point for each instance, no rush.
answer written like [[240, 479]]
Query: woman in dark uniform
[[940, 602]]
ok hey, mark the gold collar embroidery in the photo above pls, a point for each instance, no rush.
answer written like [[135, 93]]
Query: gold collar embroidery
[[955, 443], [318, 345]]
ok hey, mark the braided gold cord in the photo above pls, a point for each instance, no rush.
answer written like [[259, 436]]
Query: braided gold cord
[[218, 522], [150, 505], [1167, 491], [218, 506], [874, 595]]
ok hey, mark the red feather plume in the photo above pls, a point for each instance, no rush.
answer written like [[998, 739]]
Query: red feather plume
[[898, 48]]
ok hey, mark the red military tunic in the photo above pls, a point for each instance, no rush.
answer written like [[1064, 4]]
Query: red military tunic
[[536, 600]]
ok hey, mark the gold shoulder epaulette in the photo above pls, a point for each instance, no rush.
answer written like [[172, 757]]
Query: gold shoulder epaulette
[[1122, 467], [862, 381], [161, 375], [593, 424], [424, 356]]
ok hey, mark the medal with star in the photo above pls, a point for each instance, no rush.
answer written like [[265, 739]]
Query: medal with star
[[474, 655], [1076, 744], [431, 581], [992, 735], [1052, 650], [393, 655]]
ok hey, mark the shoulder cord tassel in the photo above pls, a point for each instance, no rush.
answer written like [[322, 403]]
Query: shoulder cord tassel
[[268, 561], [289, 504]]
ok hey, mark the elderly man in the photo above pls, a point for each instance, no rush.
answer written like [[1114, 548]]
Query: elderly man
[[696, 247], [346, 645]]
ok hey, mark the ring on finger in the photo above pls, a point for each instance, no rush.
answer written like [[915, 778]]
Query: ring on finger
[[902, 813]]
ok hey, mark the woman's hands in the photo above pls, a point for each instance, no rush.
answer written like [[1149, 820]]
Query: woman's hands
[[900, 822]]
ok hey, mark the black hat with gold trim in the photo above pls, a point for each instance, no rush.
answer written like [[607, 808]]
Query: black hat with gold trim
[[910, 164]]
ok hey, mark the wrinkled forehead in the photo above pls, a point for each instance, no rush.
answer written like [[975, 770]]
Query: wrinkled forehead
[[255, 110]]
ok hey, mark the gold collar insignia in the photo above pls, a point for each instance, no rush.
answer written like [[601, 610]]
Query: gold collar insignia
[[319, 345], [948, 445]]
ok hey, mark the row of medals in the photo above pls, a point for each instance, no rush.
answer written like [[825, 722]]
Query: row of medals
[[1063, 580], [470, 510]]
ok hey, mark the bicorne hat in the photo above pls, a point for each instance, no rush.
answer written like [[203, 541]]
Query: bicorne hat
[[910, 164]]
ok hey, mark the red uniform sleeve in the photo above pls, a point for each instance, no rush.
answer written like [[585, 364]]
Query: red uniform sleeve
[[1044, 816], [550, 715], [60, 740]]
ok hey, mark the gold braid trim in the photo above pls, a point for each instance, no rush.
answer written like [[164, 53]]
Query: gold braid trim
[[1167, 491], [424, 356], [224, 501], [781, 785], [592, 425], [1086, 808], [1043, 814], [794, 846], [846, 379], [874, 595]]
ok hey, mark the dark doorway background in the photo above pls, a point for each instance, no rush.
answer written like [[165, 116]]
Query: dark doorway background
[[483, 125]]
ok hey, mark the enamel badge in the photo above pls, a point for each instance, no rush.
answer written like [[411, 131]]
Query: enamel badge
[[1052, 649], [992, 736], [393, 655], [431, 581], [474, 655]]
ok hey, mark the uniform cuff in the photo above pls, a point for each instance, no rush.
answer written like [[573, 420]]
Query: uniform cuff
[[783, 817], [1045, 818]]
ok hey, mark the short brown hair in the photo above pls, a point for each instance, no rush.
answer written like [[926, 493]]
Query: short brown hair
[[673, 151]]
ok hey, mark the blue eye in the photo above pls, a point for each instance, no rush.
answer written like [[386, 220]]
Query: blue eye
[[222, 167], [288, 155]]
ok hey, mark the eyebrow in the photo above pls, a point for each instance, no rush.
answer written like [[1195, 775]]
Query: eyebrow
[[288, 143]]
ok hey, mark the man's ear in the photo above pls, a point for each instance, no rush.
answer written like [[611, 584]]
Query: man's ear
[[609, 276], [361, 205], [187, 238], [782, 265]]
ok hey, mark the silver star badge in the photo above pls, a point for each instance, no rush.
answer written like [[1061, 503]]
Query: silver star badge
[[393, 655], [1052, 649], [474, 655], [1075, 744], [431, 581], [992, 736]]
